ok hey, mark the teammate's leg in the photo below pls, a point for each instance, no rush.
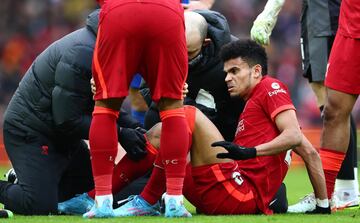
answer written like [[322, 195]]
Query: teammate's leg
[[335, 134], [103, 141], [173, 151], [346, 190]]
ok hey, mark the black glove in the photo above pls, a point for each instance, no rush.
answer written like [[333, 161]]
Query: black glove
[[320, 210], [133, 142], [235, 152], [145, 92]]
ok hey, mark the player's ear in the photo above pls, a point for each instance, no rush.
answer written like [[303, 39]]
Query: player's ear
[[257, 69], [206, 42]]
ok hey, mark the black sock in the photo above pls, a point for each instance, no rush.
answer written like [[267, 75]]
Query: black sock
[[347, 168]]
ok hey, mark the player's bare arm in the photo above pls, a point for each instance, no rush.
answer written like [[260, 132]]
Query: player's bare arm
[[314, 167], [290, 135]]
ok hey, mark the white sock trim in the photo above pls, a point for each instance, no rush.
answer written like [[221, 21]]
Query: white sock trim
[[322, 203], [178, 198], [99, 200], [348, 184]]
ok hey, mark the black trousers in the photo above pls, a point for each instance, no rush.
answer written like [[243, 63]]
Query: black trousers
[[47, 172]]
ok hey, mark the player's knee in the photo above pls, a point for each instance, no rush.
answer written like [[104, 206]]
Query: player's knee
[[110, 103], [153, 135], [332, 114], [336, 110], [169, 103]]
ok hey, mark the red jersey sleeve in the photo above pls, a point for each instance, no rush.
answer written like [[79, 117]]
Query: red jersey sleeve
[[276, 98]]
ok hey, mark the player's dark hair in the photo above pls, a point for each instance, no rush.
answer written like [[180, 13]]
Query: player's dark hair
[[248, 50]]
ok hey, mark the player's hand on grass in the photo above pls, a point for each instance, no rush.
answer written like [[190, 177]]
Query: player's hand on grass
[[235, 152], [133, 142]]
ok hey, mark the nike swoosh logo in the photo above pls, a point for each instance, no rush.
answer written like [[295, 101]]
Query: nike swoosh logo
[[273, 201]]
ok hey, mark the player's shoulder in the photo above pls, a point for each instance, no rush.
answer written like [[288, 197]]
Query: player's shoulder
[[271, 86], [269, 81]]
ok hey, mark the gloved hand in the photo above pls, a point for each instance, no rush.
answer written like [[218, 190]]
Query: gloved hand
[[320, 210], [265, 22], [145, 92], [133, 142], [235, 152], [261, 31]]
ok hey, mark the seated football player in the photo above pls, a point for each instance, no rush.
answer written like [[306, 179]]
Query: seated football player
[[239, 177]]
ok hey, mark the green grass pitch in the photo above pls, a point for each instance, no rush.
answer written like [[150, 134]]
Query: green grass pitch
[[297, 186]]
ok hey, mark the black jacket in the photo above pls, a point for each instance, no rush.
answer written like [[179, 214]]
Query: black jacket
[[209, 76], [54, 97]]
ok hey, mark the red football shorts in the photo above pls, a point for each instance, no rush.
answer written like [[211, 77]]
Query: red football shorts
[[140, 36], [222, 190], [343, 72]]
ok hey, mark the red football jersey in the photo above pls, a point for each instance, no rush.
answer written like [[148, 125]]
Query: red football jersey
[[349, 20], [257, 126]]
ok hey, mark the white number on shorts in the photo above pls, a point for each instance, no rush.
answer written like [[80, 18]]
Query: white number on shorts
[[237, 178]]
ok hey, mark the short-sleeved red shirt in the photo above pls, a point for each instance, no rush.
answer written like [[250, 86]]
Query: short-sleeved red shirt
[[257, 126]]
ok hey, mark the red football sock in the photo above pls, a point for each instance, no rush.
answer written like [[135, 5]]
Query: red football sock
[[331, 162], [155, 187], [174, 144], [128, 170], [103, 141]]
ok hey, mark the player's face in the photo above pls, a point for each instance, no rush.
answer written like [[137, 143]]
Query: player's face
[[239, 78]]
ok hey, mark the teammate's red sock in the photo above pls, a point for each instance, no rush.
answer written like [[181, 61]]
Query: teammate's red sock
[[128, 170], [331, 162], [155, 187], [174, 144], [103, 148]]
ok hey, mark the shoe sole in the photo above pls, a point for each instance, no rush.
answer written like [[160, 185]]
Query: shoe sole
[[348, 206]]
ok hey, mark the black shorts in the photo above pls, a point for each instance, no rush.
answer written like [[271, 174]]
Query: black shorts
[[317, 36]]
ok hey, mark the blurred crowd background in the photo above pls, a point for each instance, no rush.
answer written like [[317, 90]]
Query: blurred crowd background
[[27, 27]]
